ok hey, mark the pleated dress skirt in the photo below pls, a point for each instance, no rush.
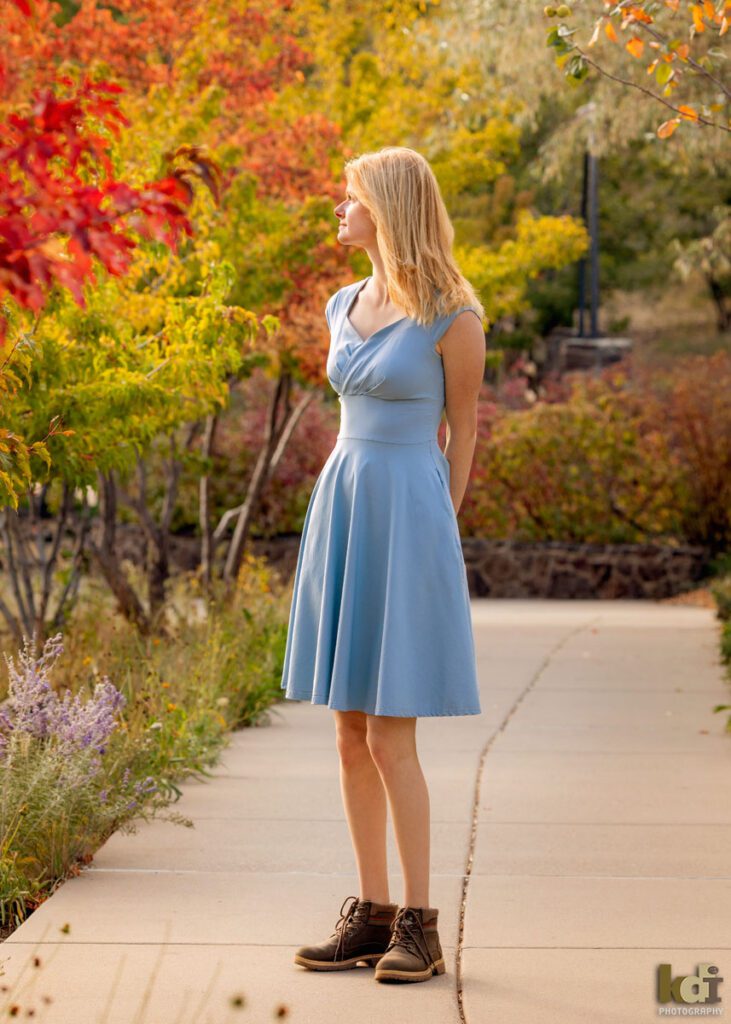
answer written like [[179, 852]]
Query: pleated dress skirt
[[380, 615]]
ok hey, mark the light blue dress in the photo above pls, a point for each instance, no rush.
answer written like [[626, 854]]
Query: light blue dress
[[380, 613]]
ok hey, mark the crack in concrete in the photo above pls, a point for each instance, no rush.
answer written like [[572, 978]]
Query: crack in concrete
[[476, 804]]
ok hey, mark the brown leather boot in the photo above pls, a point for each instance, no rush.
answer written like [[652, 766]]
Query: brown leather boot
[[362, 933], [414, 952]]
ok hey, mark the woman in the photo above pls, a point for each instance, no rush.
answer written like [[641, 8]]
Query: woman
[[380, 627]]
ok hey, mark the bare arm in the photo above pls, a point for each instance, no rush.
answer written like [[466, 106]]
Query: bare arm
[[463, 355]]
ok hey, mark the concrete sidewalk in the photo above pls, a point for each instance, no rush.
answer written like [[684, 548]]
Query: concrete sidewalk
[[581, 829]]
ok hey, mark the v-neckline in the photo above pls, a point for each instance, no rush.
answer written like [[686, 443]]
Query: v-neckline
[[365, 341]]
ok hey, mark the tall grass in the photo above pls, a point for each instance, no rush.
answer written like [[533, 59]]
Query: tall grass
[[138, 715]]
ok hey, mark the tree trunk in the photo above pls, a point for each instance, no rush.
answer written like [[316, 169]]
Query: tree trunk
[[106, 558], [281, 421], [204, 510], [722, 303], [158, 534]]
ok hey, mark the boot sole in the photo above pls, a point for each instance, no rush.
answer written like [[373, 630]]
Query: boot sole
[[370, 959], [437, 967]]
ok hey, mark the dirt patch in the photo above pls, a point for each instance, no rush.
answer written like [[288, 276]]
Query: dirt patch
[[700, 598]]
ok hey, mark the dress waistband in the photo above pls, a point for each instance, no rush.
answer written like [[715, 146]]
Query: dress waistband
[[409, 421]]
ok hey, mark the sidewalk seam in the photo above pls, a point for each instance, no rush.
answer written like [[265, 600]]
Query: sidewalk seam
[[476, 801]]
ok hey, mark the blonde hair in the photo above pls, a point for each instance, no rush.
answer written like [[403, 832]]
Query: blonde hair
[[415, 235]]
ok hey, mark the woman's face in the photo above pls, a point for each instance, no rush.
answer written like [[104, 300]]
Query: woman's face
[[356, 226]]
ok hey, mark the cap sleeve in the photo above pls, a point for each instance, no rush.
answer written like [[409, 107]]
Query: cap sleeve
[[443, 322], [330, 308]]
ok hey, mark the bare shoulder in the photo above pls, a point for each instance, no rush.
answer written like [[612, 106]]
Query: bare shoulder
[[465, 337]]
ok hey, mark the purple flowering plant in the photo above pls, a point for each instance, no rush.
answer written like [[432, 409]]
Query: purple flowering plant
[[59, 797], [35, 709]]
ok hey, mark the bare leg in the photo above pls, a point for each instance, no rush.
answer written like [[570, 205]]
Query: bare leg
[[392, 742], [365, 804]]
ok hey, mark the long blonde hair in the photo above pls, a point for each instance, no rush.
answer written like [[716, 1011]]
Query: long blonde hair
[[415, 235]]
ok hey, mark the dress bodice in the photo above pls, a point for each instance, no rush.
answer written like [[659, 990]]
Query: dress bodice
[[397, 364]]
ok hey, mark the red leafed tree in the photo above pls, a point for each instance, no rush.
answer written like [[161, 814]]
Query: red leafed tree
[[252, 55], [137, 41], [53, 219], [254, 52]]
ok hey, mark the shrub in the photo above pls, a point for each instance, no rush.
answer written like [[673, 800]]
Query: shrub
[[721, 591], [56, 799], [693, 404], [73, 771], [592, 468], [623, 457]]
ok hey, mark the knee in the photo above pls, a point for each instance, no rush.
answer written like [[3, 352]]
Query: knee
[[388, 754], [351, 744]]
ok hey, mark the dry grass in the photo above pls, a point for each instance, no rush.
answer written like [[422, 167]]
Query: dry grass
[[667, 322]]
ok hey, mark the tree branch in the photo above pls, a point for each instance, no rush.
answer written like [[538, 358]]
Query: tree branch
[[641, 88]]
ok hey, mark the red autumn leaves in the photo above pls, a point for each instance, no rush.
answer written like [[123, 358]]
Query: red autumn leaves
[[60, 203]]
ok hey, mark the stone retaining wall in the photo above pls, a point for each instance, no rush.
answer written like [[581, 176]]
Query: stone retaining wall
[[503, 568], [558, 569]]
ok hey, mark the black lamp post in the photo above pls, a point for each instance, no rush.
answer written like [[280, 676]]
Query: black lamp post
[[590, 214]]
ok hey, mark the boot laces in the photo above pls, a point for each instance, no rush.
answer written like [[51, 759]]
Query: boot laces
[[404, 933], [356, 914]]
